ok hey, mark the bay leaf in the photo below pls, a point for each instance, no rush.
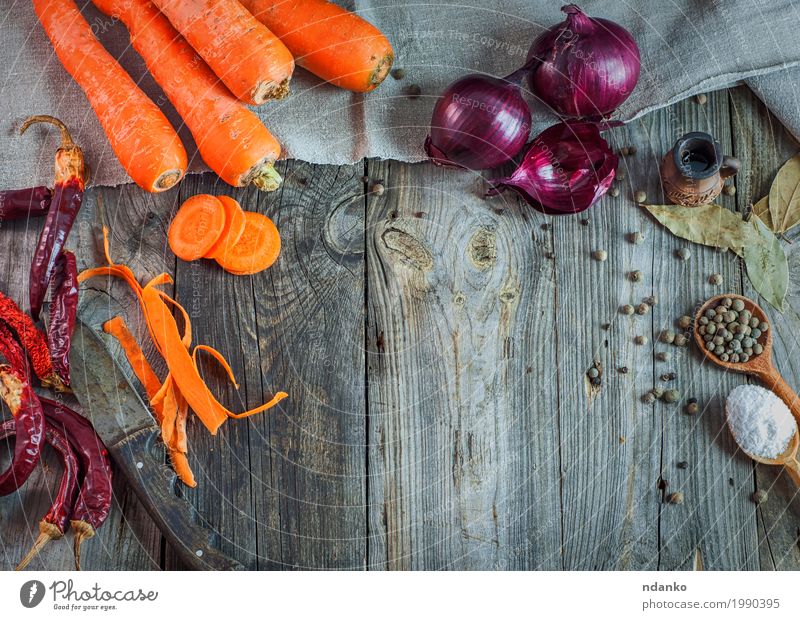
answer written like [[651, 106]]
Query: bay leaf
[[766, 264], [761, 210], [784, 196], [707, 224]]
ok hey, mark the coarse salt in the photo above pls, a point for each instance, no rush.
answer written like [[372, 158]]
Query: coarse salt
[[760, 422]]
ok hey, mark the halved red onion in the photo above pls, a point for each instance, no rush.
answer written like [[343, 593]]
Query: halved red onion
[[479, 122], [567, 168], [585, 66]]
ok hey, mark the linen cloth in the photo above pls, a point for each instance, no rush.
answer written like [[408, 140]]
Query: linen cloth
[[687, 47]]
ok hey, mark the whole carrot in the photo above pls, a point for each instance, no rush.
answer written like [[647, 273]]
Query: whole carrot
[[331, 42], [232, 140], [250, 60], [142, 139]]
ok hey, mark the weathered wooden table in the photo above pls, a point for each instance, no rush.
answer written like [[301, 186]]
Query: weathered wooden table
[[434, 346]]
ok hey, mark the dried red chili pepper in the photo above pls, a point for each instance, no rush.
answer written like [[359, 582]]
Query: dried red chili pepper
[[94, 499], [16, 391], [16, 204], [63, 309], [33, 341], [68, 191], [53, 524]]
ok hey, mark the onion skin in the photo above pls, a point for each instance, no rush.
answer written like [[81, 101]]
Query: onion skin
[[585, 67], [479, 122], [567, 168]]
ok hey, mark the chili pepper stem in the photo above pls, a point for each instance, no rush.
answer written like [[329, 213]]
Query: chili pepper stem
[[66, 138], [47, 532], [83, 531]]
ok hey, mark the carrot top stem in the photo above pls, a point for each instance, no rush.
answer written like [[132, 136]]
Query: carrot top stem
[[66, 138], [266, 178]]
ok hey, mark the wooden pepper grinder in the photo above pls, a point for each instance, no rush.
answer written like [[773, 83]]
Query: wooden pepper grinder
[[694, 171]]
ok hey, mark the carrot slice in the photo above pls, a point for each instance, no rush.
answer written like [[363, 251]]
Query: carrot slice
[[234, 227], [257, 249], [196, 227]]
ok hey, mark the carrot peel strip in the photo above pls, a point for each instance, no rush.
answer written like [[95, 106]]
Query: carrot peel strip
[[138, 362], [217, 356]]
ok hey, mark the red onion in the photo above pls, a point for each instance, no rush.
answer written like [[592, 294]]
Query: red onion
[[567, 168], [479, 122], [586, 66]]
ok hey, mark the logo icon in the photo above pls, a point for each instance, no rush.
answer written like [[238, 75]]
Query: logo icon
[[31, 593]]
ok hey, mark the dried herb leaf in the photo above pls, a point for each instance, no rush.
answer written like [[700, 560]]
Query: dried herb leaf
[[767, 266], [707, 224], [784, 196], [761, 210]]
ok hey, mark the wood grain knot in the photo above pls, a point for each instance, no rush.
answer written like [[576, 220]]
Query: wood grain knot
[[410, 249], [482, 248], [509, 295]]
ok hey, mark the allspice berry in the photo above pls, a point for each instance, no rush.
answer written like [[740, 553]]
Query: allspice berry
[[640, 340], [636, 238], [702, 98], [640, 197], [715, 279], [683, 253], [759, 497], [675, 498], [663, 356], [680, 340], [651, 300], [692, 408], [626, 309], [648, 398], [637, 276], [685, 322], [600, 255], [729, 190], [613, 192], [671, 396], [642, 309], [378, 189], [667, 336]]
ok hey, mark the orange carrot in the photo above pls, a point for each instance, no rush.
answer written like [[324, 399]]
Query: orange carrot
[[231, 139], [258, 247], [332, 43], [142, 139], [234, 227], [196, 227], [250, 60]]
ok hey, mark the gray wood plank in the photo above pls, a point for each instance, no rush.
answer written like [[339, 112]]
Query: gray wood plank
[[610, 441], [286, 488], [463, 436], [764, 145], [715, 523]]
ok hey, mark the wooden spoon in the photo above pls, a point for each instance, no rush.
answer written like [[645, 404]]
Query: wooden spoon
[[759, 366], [788, 459]]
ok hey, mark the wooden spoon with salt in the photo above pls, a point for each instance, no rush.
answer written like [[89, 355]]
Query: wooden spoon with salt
[[788, 459], [759, 366]]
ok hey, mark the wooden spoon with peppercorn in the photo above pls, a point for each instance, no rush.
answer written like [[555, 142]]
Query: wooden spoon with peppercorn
[[758, 365]]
